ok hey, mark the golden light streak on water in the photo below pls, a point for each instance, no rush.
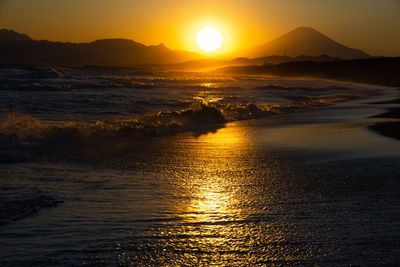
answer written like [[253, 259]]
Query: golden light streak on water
[[214, 192]]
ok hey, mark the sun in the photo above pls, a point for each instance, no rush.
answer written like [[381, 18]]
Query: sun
[[209, 39]]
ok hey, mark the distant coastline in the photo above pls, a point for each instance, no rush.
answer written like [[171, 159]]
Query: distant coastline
[[381, 71]]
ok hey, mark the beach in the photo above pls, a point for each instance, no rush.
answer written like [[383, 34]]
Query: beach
[[301, 185]]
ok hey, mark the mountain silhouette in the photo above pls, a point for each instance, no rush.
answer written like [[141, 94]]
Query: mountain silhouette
[[303, 41], [12, 36], [16, 48]]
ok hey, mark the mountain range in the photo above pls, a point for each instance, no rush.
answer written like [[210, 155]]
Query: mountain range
[[19, 48], [303, 42]]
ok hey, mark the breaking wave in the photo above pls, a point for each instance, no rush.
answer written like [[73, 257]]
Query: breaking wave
[[21, 134]]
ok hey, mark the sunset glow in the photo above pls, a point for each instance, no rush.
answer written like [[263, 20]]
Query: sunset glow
[[176, 23], [209, 39]]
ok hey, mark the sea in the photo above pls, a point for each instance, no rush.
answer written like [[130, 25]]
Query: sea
[[141, 167]]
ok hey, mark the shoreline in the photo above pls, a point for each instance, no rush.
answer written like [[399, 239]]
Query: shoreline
[[388, 128]]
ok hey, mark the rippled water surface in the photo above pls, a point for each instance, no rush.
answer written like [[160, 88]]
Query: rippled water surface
[[233, 171]]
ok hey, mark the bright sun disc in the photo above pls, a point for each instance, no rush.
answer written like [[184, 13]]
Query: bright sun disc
[[209, 39]]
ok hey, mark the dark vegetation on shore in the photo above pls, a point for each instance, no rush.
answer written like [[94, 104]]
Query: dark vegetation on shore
[[382, 71]]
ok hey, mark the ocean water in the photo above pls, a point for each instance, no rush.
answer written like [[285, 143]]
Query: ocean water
[[107, 166]]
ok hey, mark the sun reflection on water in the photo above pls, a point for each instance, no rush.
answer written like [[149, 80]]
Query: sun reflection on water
[[217, 200], [211, 185], [213, 206], [208, 85], [207, 96]]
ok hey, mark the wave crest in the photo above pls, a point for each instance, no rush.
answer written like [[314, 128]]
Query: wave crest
[[21, 134], [18, 129]]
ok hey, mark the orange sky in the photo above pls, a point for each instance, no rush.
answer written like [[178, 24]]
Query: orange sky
[[370, 25]]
